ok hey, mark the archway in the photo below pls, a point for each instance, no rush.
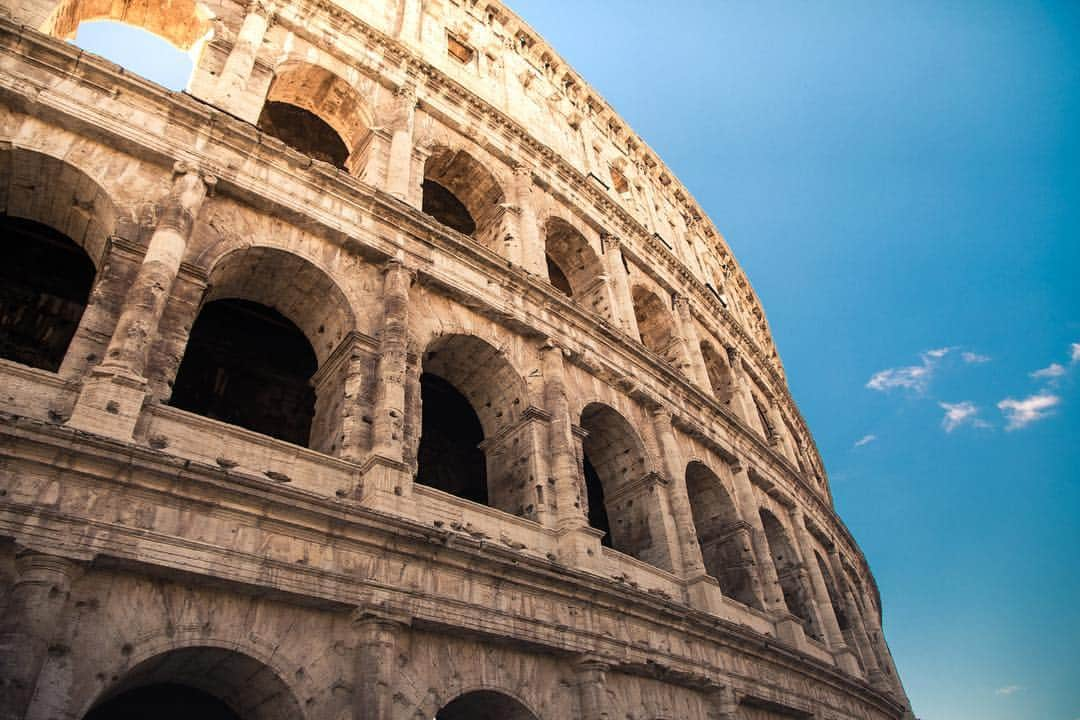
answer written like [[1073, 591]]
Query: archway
[[472, 441], [257, 343], [55, 222], [787, 569], [574, 267], [724, 538], [208, 682], [719, 371], [462, 194], [618, 480], [318, 113], [834, 594], [485, 705], [655, 324]]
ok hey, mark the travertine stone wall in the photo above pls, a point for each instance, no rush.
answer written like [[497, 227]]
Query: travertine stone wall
[[592, 318]]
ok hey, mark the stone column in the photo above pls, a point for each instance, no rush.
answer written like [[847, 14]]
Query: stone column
[[858, 627], [378, 632], [410, 20], [232, 84], [772, 594], [691, 342], [830, 627], [389, 414], [112, 395], [723, 703], [399, 167], [592, 688], [529, 249], [34, 614], [563, 462], [622, 305], [675, 468], [741, 400]]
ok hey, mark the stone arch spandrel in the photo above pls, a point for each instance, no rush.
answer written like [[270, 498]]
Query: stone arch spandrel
[[184, 23]]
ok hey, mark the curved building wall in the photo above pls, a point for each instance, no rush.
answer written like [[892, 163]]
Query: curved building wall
[[552, 468]]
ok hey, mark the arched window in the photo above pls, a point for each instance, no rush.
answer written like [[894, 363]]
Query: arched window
[[787, 570], [159, 41], [724, 538], [175, 685], [318, 113], [656, 323], [54, 225], [621, 500], [574, 267], [719, 371], [484, 705], [257, 343], [462, 194], [472, 441]]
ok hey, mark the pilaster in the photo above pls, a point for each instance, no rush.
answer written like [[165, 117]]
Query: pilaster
[[691, 342], [622, 304], [399, 166], [378, 629]]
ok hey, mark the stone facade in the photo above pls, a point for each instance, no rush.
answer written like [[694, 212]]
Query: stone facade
[[405, 382]]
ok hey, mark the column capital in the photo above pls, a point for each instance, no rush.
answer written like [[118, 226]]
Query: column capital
[[406, 92], [522, 170], [395, 265], [610, 242], [33, 566], [184, 167], [592, 664]]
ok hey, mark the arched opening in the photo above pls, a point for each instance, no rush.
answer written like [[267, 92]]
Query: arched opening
[[462, 194], [787, 569], [484, 705], [55, 222], [472, 441], [45, 281], [616, 476], [655, 323], [159, 41], [724, 538], [248, 365], [257, 343], [207, 682], [719, 371], [574, 267], [318, 113]]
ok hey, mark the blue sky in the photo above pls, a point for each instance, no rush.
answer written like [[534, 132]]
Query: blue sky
[[901, 182]]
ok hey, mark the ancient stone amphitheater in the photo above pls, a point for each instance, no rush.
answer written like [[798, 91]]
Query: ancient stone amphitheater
[[386, 373]]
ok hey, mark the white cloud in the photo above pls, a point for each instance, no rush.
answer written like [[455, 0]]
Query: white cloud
[[961, 413], [865, 440], [1074, 352], [972, 358], [1050, 372], [1021, 413], [1008, 689], [912, 377]]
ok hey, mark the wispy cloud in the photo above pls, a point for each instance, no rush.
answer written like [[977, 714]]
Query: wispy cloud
[[911, 377], [1051, 372], [1074, 352], [972, 358], [961, 413], [865, 440], [1008, 689], [1021, 413]]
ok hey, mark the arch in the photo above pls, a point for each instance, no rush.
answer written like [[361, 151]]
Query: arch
[[254, 348], [184, 23], [787, 568], [317, 112], [55, 221], [485, 705], [215, 676], [472, 441], [834, 594], [618, 487], [724, 538], [655, 324], [721, 376], [570, 254], [464, 195]]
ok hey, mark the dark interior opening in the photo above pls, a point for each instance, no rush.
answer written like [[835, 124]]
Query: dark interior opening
[[484, 705], [248, 365], [444, 206], [557, 277], [304, 131], [449, 458], [598, 517], [45, 281], [164, 701]]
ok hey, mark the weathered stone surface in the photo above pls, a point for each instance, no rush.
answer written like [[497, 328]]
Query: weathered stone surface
[[551, 469]]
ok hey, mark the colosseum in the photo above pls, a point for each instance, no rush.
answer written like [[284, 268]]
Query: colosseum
[[386, 374]]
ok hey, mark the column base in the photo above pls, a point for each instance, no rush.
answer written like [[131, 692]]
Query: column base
[[580, 548], [791, 631], [386, 484], [846, 661], [109, 403], [703, 593]]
